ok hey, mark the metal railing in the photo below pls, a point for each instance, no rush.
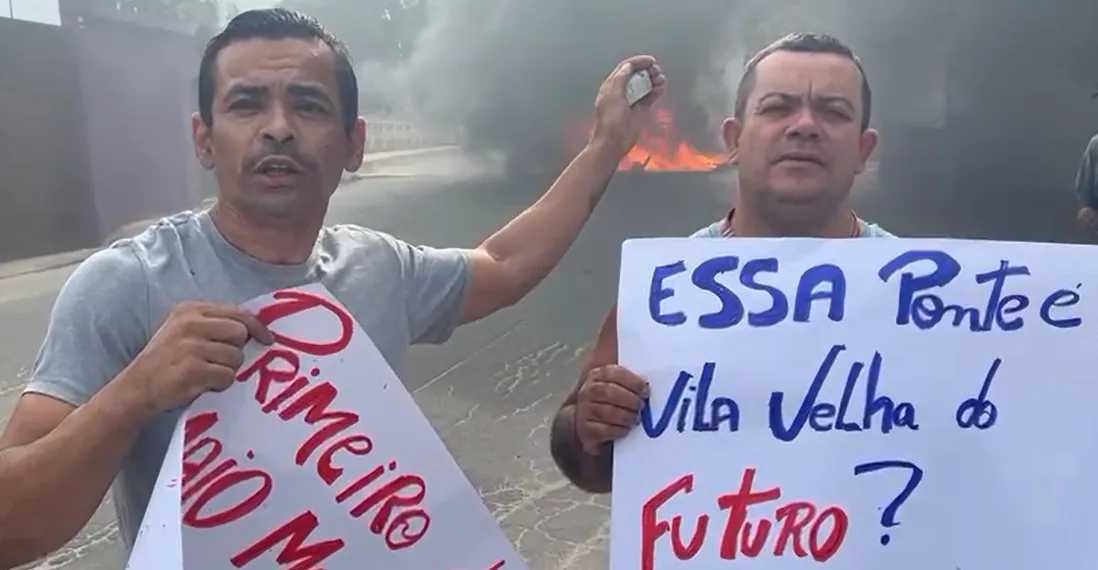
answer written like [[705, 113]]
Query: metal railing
[[384, 135]]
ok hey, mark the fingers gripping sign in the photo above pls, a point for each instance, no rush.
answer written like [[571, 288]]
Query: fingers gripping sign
[[607, 406], [618, 122], [198, 349]]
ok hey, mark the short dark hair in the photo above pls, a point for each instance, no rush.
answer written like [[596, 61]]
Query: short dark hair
[[802, 42], [275, 24]]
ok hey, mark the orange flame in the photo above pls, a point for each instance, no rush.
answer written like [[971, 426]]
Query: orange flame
[[662, 148]]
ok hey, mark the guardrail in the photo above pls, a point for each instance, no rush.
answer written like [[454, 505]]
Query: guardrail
[[375, 163], [387, 135]]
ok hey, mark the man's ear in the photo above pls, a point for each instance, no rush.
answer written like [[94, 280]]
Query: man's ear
[[866, 145], [731, 129], [356, 146], [203, 151]]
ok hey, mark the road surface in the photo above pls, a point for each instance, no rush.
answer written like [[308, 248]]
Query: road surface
[[491, 391]]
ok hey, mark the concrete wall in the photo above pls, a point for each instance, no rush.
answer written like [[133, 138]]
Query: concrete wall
[[94, 118], [45, 184], [137, 86], [95, 125]]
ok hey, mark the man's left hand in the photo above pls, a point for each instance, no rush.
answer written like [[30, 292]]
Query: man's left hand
[[618, 124]]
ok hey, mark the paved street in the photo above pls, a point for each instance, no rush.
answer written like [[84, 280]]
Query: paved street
[[491, 391]]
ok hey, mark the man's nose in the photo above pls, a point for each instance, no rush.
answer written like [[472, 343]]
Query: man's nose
[[806, 125], [278, 129]]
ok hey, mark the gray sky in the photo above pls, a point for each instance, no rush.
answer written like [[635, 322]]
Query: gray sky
[[252, 4], [44, 11]]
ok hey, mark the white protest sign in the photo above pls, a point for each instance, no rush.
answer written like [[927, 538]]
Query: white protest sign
[[858, 404], [316, 458]]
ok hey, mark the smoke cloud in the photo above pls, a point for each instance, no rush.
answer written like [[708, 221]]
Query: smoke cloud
[[947, 77], [516, 73]]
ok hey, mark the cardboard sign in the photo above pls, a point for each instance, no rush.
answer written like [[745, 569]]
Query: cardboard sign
[[316, 458], [874, 403]]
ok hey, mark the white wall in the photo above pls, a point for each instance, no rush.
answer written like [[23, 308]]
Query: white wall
[[42, 11]]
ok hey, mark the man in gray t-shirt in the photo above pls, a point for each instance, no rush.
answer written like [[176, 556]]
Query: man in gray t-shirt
[[114, 303], [145, 326]]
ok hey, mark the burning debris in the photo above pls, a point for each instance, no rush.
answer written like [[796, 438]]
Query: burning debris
[[662, 147], [520, 77]]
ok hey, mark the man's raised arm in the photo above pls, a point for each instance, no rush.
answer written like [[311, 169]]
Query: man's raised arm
[[514, 260]]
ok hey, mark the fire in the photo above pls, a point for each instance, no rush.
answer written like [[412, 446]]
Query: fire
[[663, 148]]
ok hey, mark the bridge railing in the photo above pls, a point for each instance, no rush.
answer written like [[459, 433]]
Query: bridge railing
[[384, 135]]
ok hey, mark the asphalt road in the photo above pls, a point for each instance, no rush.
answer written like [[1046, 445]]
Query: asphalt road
[[491, 391]]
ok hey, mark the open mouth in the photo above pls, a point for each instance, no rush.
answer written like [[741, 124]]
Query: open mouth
[[278, 167], [800, 159]]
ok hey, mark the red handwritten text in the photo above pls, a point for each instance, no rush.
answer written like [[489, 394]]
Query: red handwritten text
[[389, 500], [224, 476], [291, 302], [802, 525], [294, 532], [201, 451]]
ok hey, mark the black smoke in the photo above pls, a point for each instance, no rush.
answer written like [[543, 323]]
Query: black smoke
[[515, 73], [984, 106]]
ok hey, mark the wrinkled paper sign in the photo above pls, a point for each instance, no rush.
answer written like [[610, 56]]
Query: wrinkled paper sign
[[316, 458]]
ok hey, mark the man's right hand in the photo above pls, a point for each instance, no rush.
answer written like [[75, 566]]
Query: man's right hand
[[198, 349], [617, 123], [607, 405]]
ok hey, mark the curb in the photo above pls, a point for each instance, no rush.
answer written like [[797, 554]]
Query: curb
[[360, 176], [371, 162], [21, 267]]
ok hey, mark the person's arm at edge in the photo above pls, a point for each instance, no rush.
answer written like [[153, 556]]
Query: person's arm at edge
[[592, 473], [57, 462], [515, 259], [74, 425], [1086, 187]]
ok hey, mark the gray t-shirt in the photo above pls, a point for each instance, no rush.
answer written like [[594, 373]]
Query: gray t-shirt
[[114, 302], [1086, 179], [717, 229]]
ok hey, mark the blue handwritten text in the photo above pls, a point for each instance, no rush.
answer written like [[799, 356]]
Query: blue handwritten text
[[1002, 311], [824, 282], [708, 414], [824, 416]]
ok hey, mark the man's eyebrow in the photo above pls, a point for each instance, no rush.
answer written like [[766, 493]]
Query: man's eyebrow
[[244, 89], [308, 90], [835, 99], [782, 95]]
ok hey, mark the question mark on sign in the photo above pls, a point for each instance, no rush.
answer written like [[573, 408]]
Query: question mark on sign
[[888, 517]]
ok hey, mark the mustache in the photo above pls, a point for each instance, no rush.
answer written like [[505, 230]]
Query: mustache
[[302, 161], [803, 152]]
